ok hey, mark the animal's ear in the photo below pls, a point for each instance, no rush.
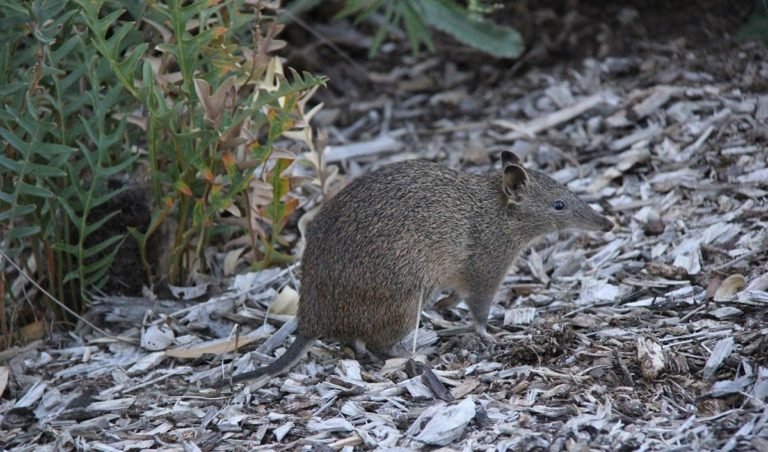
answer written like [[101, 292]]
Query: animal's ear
[[509, 158], [515, 179]]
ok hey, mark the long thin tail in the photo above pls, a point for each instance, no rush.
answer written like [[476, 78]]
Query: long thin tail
[[285, 362]]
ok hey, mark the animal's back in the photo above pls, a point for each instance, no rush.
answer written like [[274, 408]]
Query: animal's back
[[377, 245]]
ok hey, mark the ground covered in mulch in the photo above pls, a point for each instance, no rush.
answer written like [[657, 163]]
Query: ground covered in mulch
[[651, 337]]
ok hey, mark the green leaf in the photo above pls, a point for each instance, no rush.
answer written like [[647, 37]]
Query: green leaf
[[14, 5], [363, 8], [13, 140], [12, 165], [128, 66], [65, 247], [11, 88], [449, 17], [17, 211], [416, 30], [381, 33], [53, 148], [46, 31], [69, 210], [90, 228], [21, 232], [65, 49], [32, 190], [118, 35], [103, 245], [43, 171], [73, 275], [97, 276]]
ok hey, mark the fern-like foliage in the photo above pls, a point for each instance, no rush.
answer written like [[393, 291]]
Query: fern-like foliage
[[81, 93], [80, 198], [60, 143], [28, 169]]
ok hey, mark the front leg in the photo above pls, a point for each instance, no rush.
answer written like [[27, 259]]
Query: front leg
[[479, 302]]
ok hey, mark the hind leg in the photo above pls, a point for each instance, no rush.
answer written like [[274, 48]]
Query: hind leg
[[395, 317]]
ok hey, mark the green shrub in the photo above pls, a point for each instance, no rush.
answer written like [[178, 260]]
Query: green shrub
[[190, 90]]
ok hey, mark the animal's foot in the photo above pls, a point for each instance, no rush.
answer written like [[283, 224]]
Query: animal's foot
[[360, 349], [483, 333]]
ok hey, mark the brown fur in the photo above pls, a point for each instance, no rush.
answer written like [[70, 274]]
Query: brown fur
[[412, 229]]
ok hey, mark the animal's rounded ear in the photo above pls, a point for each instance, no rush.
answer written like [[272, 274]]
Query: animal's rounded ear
[[515, 179], [509, 158]]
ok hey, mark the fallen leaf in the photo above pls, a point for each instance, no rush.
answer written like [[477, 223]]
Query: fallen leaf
[[729, 287], [286, 302], [650, 354], [214, 347]]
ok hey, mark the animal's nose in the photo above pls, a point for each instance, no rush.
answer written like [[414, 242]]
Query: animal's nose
[[609, 225]]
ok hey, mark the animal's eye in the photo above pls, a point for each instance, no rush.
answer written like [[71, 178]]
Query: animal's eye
[[558, 205]]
